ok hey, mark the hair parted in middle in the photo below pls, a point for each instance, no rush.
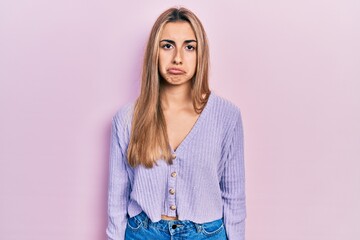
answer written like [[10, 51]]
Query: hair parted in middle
[[149, 138]]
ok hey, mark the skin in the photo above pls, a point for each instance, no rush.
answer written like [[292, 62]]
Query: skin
[[177, 50]]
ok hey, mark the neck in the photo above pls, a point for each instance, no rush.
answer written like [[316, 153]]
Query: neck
[[175, 97]]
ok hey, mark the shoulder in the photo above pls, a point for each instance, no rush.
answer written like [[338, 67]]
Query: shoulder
[[124, 114], [225, 108], [226, 116]]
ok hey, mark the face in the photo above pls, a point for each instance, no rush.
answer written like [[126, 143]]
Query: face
[[177, 53]]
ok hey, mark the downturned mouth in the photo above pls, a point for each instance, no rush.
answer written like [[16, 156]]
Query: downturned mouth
[[175, 71]]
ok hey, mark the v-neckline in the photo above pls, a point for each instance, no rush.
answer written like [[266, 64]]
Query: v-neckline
[[194, 128]]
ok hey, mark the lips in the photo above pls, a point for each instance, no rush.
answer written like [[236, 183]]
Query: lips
[[175, 71]]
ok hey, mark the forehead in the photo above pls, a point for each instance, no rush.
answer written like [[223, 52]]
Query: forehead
[[180, 30]]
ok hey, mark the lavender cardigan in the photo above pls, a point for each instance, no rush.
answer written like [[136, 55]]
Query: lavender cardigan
[[206, 181]]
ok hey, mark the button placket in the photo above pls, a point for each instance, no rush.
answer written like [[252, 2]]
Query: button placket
[[172, 187]]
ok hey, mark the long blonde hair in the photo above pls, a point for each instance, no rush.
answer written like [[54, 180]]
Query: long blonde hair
[[149, 138]]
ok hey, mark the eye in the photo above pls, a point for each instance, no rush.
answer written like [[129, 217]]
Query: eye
[[190, 47], [167, 46]]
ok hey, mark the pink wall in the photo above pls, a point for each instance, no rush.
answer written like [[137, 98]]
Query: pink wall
[[293, 67]]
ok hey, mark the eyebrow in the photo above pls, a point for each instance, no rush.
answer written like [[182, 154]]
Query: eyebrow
[[173, 42]]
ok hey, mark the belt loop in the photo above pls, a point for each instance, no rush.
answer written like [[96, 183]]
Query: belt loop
[[198, 227], [146, 222]]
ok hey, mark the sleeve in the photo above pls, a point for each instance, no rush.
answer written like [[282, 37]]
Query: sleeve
[[232, 185], [118, 187]]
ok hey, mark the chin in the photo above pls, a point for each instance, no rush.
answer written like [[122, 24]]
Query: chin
[[174, 80]]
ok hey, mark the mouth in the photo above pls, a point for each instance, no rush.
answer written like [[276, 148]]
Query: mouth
[[175, 71]]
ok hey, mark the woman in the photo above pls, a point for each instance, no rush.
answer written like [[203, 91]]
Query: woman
[[176, 154]]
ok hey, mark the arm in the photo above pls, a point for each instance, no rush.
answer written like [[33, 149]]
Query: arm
[[118, 188], [232, 185]]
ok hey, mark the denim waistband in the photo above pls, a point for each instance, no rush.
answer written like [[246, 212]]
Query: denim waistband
[[170, 225]]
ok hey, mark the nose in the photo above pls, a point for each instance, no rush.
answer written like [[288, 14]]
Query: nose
[[177, 57]]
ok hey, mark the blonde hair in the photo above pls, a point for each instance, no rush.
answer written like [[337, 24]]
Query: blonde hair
[[149, 139]]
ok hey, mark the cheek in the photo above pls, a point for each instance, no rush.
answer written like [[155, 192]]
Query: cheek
[[162, 65], [163, 60], [192, 63]]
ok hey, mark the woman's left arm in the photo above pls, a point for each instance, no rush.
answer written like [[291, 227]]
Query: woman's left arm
[[232, 184]]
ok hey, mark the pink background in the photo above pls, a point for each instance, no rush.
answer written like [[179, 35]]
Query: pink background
[[293, 67]]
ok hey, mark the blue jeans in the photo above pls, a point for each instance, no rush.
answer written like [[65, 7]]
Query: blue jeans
[[140, 227]]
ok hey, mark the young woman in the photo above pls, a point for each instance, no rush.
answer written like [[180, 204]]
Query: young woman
[[176, 154]]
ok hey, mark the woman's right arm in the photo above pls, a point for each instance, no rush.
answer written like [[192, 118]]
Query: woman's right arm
[[119, 185]]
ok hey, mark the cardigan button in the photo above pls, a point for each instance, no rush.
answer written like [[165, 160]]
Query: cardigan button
[[173, 174], [172, 191], [172, 207], [173, 156]]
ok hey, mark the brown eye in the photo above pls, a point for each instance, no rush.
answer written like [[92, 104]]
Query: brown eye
[[167, 46], [190, 48]]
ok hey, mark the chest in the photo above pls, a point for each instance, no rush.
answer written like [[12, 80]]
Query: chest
[[179, 125]]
